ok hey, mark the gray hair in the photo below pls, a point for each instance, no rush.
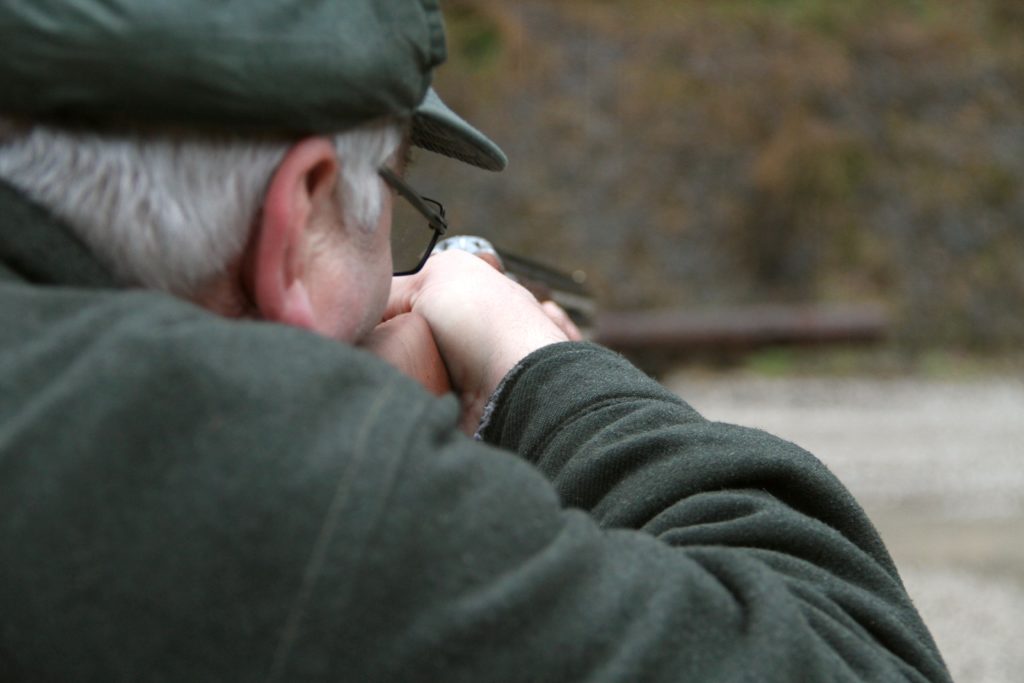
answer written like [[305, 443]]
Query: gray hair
[[171, 211]]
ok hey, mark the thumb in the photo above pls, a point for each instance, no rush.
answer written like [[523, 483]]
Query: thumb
[[403, 293]]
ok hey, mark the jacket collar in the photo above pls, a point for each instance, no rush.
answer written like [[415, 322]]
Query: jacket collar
[[37, 247]]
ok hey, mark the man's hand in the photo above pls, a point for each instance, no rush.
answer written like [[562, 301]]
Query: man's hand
[[482, 322], [406, 342]]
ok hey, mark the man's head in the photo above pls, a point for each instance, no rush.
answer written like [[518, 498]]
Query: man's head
[[228, 153], [245, 227]]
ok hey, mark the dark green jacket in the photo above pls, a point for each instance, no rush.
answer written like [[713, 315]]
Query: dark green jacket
[[187, 498]]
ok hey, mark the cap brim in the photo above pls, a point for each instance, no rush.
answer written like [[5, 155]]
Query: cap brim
[[438, 129]]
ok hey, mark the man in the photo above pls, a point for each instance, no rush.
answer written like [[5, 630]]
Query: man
[[204, 477]]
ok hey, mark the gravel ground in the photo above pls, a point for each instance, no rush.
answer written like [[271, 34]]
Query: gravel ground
[[939, 466]]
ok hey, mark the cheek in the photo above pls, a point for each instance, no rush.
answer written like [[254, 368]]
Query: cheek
[[374, 268], [383, 232], [358, 281], [383, 269], [382, 250]]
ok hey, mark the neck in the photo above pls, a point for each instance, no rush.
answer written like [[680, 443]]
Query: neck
[[225, 295]]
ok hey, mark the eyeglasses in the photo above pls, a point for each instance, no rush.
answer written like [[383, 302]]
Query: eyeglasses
[[408, 253]]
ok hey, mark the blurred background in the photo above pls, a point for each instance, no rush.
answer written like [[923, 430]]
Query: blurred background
[[743, 151], [706, 159]]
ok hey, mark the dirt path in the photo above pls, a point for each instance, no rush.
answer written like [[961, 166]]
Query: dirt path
[[940, 468]]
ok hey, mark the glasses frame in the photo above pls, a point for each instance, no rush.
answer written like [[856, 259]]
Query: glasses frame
[[436, 221]]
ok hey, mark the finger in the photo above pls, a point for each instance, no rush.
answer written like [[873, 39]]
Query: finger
[[491, 260], [403, 289], [562, 319]]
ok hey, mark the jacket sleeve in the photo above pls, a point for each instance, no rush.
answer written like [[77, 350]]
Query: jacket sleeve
[[643, 544]]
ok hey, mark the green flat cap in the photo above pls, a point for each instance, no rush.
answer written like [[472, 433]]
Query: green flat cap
[[247, 66]]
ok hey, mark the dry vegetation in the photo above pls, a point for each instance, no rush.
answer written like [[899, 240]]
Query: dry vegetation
[[695, 153]]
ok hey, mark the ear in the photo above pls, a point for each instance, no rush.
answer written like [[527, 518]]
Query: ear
[[300, 193]]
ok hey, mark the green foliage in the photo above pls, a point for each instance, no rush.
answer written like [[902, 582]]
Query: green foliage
[[773, 362], [831, 17], [474, 34]]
